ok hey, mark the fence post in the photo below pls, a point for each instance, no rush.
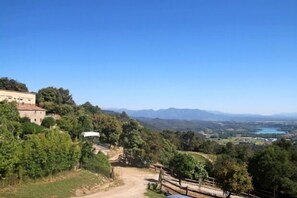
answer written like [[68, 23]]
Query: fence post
[[186, 190]]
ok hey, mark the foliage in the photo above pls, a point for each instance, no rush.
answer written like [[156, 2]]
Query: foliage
[[167, 152], [98, 163], [133, 151], [242, 153], [63, 186], [200, 171], [231, 176], [69, 123], [48, 122], [48, 153], [84, 123], [53, 99], [209, 146], [13, 85], [109, 127], [30, 128], [89, 108], [182, 166], [9, 153], [9, 117], [8, 111], [274, 169]]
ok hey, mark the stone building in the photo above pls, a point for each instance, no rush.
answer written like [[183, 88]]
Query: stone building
[[19, 97], [25, 104]]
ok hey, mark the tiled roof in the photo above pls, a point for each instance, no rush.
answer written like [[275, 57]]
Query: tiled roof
[[29, 107]]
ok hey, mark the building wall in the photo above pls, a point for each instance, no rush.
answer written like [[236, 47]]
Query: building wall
[[35, 116], [19, 97]]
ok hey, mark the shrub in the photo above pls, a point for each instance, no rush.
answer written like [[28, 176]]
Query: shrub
[[98, 163]]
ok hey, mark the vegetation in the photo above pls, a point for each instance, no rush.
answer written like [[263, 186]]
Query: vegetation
[[198, 157], [275, 169], [97, 163], [48, 122], [55, 100], [154, 194], [64, 186], [12, 85], [29, 151], [185, 166], [231, 176]]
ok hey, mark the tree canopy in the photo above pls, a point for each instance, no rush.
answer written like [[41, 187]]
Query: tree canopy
[[232, 177], [55, 100], [12, 85], [182, 165]]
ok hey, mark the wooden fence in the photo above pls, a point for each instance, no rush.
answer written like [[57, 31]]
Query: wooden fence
[[172, 186]]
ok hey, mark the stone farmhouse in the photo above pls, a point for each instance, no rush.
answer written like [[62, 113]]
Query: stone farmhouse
[[26, 105]]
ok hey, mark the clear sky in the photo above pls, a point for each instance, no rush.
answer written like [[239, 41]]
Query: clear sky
[[237, 56]]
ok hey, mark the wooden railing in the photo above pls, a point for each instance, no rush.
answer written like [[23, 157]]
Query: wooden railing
[[209, 182], [174, 188]]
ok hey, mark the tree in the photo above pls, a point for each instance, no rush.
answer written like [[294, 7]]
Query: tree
[[8, 111], [29, 128], [127, 127], [182, 165], [199, 172], [231, 176], [69, 123], [89, 108], [133, 151], [84, 123], [52, 98], [48, 122], [47, 153], [9, 117], [9, 153], [65, 97], [109, 127], [13, 85], [272, 169]]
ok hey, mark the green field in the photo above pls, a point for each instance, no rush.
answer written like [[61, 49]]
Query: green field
[[201, 157], [62, 186]]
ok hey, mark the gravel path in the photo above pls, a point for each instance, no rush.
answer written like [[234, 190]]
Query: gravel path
[[135, 184]]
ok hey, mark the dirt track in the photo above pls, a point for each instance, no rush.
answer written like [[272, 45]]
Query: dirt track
[[135, 184]]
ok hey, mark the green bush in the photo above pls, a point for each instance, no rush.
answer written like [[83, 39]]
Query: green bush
[[31, 128], [98, 163], [48, 122]]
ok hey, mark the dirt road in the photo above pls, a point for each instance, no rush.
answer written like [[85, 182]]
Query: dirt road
[[135, 184]]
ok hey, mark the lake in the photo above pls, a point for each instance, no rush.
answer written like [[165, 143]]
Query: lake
[[267, 130]]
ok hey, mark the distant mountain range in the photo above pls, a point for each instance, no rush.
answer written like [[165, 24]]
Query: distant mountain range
[[202, 115]]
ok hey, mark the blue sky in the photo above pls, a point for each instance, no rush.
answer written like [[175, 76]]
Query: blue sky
[[234, 56]]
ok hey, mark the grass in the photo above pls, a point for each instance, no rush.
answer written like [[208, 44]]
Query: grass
[[154, 194], [201, 157], [63, 185]]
